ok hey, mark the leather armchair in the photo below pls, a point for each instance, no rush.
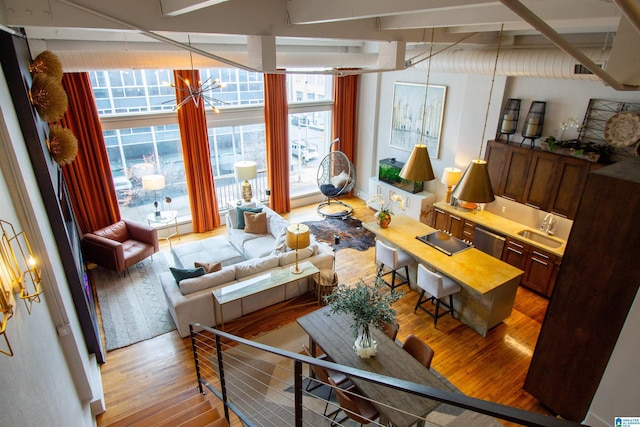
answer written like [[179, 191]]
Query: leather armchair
[[120, 245]]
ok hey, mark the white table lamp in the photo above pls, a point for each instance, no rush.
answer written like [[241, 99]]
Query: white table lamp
[[155, 183], [450, 177], [244, 171]]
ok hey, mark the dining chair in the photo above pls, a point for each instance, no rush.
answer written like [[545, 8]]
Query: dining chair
[[419, 349], [438, 287], [394, 259], [391, 330], [354, 406], [323, 377]]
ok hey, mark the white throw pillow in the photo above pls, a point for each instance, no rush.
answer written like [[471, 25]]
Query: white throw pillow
[[290, 257], [210, 280], [253, 266], [340, 180]]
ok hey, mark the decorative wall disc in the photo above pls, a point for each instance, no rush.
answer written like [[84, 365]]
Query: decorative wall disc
[[622, 129]]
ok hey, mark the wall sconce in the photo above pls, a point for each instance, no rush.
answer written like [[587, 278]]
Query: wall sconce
[[18, 259], [510, 116], [534, 121], [6, 311]]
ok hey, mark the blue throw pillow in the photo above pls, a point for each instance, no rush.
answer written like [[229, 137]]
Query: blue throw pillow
[[186, 273], [240, 215]]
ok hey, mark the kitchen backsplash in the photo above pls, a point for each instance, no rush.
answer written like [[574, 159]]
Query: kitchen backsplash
[[528, 216]]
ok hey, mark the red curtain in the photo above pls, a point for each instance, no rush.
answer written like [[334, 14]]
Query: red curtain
[[195, 151], [345, 103], [276, 119], [88, 178]]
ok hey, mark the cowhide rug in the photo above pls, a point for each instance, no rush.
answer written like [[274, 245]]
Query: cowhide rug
[[350, 231]]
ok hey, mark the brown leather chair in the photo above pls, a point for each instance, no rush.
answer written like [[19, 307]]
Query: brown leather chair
[[391, 330], [419, 349], [120, 245], [354, 405], [323, 375]]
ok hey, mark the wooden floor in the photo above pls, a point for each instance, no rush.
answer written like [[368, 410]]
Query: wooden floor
[[491, 368]]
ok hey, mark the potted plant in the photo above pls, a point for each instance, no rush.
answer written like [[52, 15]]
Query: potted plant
[[383, 216], [369, 306]]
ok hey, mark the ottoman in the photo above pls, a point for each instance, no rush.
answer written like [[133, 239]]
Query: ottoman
[[211, 250]]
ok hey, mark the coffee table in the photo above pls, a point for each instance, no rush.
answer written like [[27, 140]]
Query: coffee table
[[258, 284]]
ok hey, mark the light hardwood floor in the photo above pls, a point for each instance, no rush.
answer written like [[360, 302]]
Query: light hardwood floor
[[491, 368]]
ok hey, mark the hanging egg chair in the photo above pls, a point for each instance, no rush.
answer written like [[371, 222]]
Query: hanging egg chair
[[336, 178]]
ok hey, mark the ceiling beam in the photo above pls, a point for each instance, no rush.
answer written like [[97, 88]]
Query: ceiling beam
[[180, 7]]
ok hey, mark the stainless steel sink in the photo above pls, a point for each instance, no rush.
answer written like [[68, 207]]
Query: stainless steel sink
[[540, 238]]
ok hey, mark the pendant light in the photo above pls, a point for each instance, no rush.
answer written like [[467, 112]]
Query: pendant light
[[418, 166], [475, 185]]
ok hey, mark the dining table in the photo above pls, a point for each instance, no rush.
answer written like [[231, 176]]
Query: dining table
[[333, 333]]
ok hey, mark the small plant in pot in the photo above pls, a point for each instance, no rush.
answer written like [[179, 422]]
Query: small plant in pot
[[369, 306]]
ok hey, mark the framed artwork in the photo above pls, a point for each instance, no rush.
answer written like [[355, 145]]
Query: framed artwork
[[413, 121]]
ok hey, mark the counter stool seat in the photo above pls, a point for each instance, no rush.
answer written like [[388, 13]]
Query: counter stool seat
[[438, 287], [394, 259]]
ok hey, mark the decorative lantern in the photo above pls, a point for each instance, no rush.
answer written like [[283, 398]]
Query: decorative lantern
[[533, 124], [509, 118]]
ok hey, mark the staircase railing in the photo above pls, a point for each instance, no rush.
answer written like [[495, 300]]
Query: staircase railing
[[264, 385]]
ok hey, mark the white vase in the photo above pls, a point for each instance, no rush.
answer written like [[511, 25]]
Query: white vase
[[364, 345]]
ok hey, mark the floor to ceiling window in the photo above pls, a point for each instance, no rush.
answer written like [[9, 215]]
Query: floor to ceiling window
[[142, 134]]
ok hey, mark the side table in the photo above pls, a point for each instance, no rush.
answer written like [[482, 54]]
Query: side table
[[166, 218]]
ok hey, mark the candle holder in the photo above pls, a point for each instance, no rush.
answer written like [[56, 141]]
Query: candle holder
[[532, 129], [509, 118]]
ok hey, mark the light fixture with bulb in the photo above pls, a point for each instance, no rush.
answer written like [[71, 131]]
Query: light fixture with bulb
[[475, 184], [418, 166]]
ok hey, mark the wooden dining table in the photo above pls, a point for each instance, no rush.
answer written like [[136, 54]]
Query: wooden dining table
[[334, 335]]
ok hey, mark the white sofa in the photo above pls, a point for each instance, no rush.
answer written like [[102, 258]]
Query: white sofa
[[192, 301]]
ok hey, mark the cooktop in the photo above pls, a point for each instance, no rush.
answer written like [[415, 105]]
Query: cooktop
[[444, 242]]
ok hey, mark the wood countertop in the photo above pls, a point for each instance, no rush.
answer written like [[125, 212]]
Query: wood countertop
[[502, 226], [471, 267]]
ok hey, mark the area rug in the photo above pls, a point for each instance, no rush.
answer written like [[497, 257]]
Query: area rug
[[264, 379], [350, 231], [132, 306]]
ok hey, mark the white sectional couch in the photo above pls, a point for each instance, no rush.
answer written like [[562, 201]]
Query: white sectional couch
[[192, 300]]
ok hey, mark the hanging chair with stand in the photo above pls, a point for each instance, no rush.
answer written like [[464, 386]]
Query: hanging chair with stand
[[336, 178]]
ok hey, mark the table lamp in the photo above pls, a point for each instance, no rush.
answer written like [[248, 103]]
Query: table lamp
[[245, 170], [450, 177], [155, 183], [298, 237]]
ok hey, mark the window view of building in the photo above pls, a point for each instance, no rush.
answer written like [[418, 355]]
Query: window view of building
[[142, 136]]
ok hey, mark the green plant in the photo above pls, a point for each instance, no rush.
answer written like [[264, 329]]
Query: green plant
[[579, 147], [369, 305], [386, 210]]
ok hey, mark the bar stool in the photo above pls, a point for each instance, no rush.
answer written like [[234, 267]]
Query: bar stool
[[394, 259], [438, 287]]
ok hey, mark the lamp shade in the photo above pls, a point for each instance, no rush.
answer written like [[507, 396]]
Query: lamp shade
[[418, 166], [153, 182], [451, 176], [475, 185], [245, 170], [298, 236]]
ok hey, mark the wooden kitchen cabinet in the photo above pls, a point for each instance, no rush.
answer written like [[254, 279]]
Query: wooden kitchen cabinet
[[540, 267], [468, 230], [540, 179], [439, 219], [455, 225]]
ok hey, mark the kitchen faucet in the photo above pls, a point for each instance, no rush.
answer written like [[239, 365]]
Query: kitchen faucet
[[548, 224]]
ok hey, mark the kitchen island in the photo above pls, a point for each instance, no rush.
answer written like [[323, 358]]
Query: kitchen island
[[489, 285]]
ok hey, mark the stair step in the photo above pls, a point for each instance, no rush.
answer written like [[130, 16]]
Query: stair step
[[183, 413], [204, 419], [165, 408]]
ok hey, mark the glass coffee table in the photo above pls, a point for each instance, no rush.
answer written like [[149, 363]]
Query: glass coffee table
[[258, 284]]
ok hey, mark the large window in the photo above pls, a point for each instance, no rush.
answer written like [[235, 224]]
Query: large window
[[142, 135]]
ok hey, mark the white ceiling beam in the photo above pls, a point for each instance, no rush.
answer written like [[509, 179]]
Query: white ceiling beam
[[180, 7], [308, 12]]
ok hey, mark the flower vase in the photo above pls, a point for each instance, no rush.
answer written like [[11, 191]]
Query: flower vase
[[383, 219], [364, 345]]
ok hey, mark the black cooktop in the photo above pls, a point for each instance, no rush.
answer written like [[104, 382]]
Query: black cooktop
[[444, 242]]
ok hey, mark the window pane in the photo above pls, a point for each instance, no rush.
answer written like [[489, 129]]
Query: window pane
[[236, 90], [231, 144], [309, 139], [309, 87], [136, 152]]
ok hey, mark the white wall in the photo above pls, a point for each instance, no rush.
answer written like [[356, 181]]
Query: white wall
[[49, 380]]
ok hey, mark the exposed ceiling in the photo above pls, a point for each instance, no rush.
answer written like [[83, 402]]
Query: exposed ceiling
[[371, 35]]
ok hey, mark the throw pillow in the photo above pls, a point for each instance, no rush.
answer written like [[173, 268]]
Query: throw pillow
[[186, 273], [339, 180], [280, 245], [255, 223], [209, 267], [240, 215]]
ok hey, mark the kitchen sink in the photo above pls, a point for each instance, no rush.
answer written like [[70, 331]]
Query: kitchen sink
[[540, 238]]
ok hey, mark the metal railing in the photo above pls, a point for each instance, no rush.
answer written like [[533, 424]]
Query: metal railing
[[264, 385]]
